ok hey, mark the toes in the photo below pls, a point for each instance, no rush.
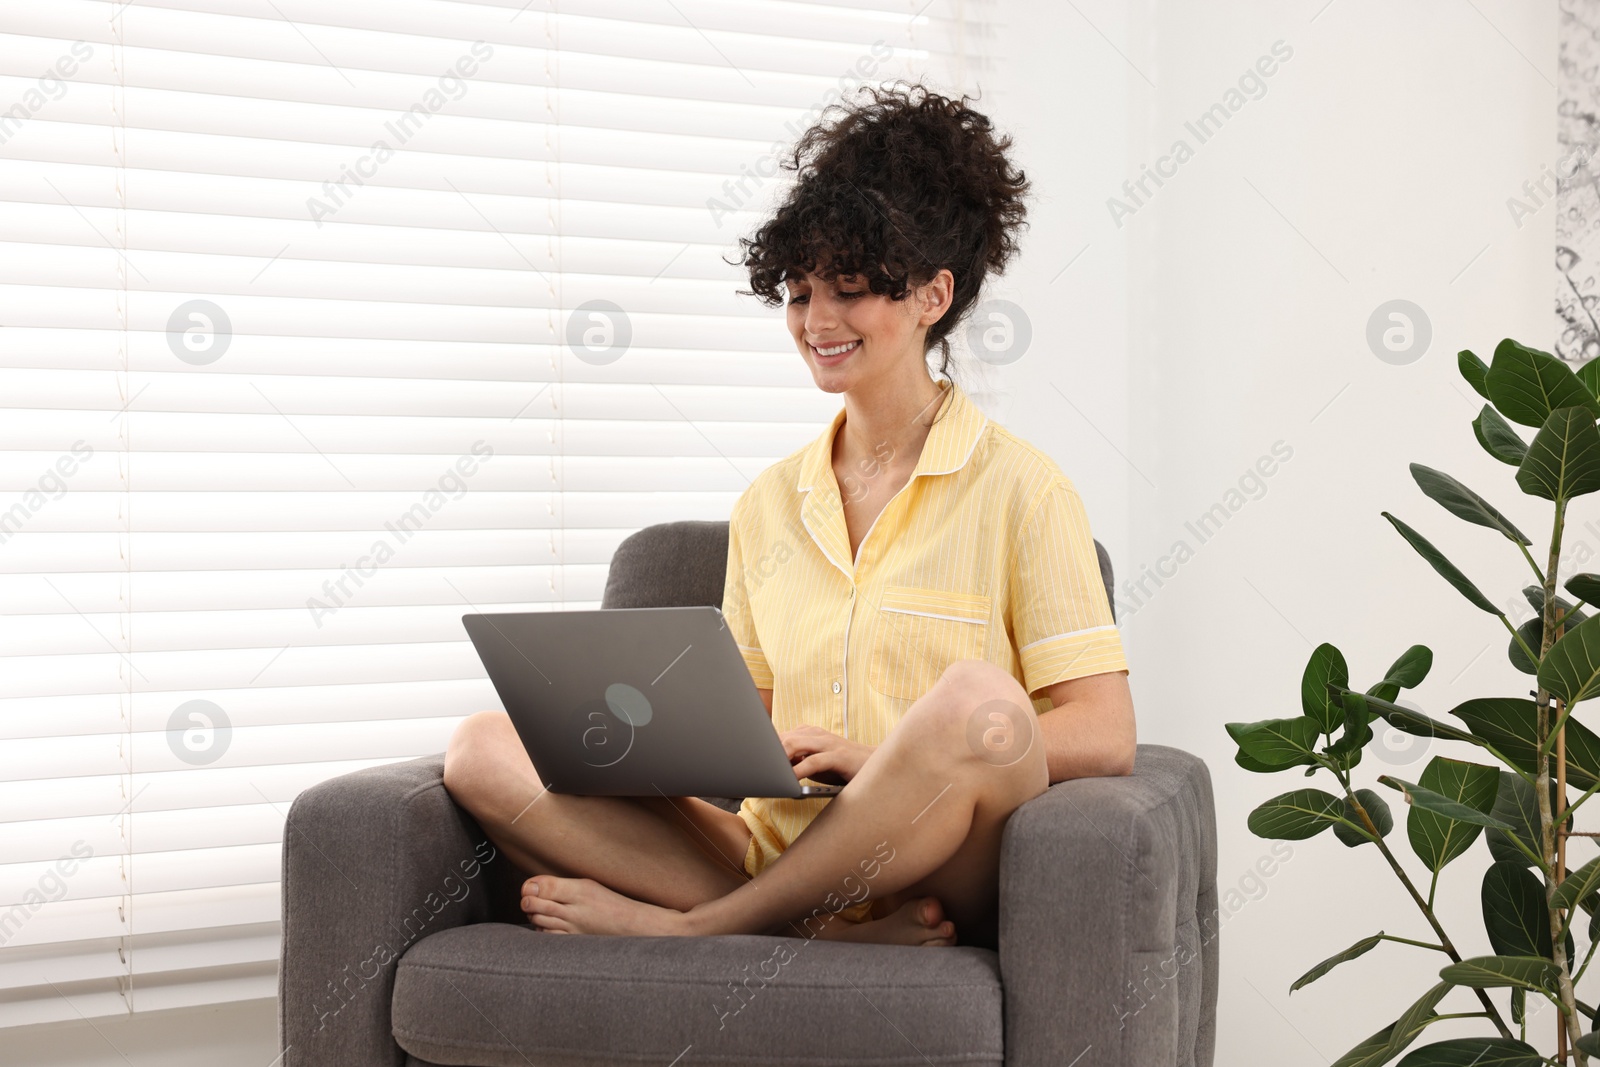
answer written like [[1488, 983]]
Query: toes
[[551, 924], [929, 912], [550, 888]]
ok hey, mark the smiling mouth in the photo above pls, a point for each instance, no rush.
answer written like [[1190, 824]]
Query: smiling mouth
[[833, 351]]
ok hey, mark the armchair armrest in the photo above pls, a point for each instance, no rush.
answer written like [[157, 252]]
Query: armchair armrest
[[372, 862], [1108, 948]]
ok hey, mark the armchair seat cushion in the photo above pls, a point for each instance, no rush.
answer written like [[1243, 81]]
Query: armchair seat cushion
[[498, 994]]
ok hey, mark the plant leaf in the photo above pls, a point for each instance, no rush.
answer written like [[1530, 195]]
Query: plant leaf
[[1532, 635], [1325, 666], [1564, 459], [1498, 438], [1296, 815], [1250, 763], [1377, 811], [1571, 669], [1463, 503], [1509, 723], [1407, 672], [1447, 570], [1389, 1042], [1515, 803], [1474, 1052], [1533, 973], [1360, 948], [1475, 371], [1449, 808], [1532, 631], [1356, 731], [1514, 911], [1276, 743], [1586, 587], [1578, 884], [1408, 721], [1589, 375], [1589, 1044], [1527, 384]]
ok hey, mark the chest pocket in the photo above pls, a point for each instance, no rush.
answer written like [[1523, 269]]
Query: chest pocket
[[919, 632]]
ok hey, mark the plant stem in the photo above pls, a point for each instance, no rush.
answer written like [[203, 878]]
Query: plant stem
[[1547, 829], [1529, 557], [1587, 793], [1445, 943], [1587, 956], [1533, 656], [1408, 941]]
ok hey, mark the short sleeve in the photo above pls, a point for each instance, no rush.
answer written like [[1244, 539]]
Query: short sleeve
[[1060, 617], [736, 608]]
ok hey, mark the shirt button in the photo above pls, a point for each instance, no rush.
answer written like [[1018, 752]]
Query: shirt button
[[836, 687]]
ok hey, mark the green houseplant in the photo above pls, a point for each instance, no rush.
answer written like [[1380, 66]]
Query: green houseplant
[[1529, 750]]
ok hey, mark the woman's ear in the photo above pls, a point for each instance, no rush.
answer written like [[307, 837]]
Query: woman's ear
[[935, 296]]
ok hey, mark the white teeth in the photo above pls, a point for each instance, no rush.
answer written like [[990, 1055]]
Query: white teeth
[[836, 350]]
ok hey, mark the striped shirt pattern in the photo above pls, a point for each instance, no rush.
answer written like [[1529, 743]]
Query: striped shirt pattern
[[984, 554]]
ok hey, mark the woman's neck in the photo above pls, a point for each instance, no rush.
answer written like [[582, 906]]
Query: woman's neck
[[888, 421]]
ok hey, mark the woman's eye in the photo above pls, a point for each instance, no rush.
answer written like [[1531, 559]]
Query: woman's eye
[[797, 298]]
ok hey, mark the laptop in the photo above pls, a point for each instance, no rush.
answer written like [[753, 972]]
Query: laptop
[[635, 702]]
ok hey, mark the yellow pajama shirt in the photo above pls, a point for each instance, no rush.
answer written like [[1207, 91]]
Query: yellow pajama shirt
[[984, 554]]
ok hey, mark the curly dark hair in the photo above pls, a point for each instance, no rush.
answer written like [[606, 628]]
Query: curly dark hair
[[893, 188]]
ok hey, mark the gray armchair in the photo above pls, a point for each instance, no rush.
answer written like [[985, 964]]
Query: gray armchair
[[403, 943]]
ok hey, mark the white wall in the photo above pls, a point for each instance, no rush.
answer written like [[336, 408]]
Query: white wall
[[1376, 166], [1061, 93]]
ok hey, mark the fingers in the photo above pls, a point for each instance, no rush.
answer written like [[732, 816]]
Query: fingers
[[804, 741], [813, 765]]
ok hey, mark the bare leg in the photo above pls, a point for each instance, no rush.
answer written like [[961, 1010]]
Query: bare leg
[[676, 853], [925, 811]]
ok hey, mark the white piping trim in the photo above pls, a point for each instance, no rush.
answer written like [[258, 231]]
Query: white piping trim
[[932, 615], [1057, 637]]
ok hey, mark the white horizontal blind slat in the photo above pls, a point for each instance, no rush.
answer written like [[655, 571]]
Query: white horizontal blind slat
[[299, 367]]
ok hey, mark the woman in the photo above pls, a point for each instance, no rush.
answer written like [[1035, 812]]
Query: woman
[[915, 593]]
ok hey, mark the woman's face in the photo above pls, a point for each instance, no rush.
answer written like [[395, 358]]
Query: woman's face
[[849, 334]]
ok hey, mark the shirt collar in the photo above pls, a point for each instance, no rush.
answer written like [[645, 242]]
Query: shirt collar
[[950, 442]]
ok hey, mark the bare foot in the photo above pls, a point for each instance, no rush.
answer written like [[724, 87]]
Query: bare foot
[[917, 922], [584, 906]]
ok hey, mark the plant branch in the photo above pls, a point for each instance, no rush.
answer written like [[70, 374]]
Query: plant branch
[[1445, 943], [1587, 956], [1548, 843], [1408, 941], [1587, 793], [1529, 557], [1534, 657]]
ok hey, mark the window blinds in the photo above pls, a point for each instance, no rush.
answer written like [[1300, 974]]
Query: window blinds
[[323, 322]]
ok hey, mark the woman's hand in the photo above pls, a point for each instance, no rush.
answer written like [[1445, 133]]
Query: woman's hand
[[815, 751]]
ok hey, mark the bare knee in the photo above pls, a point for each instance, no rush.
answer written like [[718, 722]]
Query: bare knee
[[483, 753], [977, 713]]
